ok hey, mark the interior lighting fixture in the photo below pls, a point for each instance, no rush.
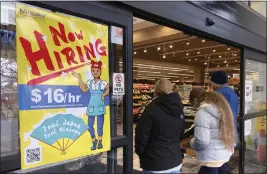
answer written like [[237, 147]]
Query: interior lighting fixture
[[189, 60], [209, 57], [173, 55], [235, 54], [164, 56], [187, 54], [220, 56], [225, 61], [203, 40], [171, 46], [228, 48], [158, 48], [213, 50], [218, 66], [235, 60], [187, 43], [249, 63], [227, 64], [145, 50], [205, 63], [198, 52], [135, 52], [195, 58]]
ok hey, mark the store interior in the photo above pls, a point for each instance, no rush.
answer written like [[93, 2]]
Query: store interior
[[187, 61]]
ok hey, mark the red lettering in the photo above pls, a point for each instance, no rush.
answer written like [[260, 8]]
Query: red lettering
[[71, 37], [79, 50], [59, 62], [61, 34], [41, 54], [89, 51], [79, 35], [70, 55], [100, 50]]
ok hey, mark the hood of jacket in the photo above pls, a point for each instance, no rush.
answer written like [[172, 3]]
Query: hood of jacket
[[170, 103], [211, 109]]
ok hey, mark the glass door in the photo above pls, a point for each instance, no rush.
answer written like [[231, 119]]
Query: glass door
[[254, 132], [119, 24]]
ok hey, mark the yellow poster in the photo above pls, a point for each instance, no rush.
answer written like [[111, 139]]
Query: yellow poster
[[261, 123], [63, 83]]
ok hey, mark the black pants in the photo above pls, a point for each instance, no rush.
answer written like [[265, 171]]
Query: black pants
[[225, 169], [208, 170]]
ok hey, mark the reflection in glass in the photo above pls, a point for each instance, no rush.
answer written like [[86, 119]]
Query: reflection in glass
[[256, 147], [9, 104], [255, 86]]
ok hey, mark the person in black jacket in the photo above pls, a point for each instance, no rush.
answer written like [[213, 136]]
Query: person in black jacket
[[160, 130]]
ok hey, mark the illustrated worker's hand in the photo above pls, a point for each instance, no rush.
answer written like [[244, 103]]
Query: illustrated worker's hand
[[76, 75]]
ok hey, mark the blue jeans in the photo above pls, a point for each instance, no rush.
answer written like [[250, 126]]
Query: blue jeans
[[100, 124], [208, 170]]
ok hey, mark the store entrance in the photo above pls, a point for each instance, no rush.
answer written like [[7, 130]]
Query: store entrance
[[187, 61]]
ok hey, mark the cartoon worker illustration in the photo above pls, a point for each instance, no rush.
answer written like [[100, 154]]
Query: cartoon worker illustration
[[96, 108]]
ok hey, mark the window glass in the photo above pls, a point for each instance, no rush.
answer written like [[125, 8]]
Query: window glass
[[9, 99], [255, 86], [259, 6], [255, 147]]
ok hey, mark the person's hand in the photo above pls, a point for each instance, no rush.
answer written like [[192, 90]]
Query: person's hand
[[103, 97], [76, 75]]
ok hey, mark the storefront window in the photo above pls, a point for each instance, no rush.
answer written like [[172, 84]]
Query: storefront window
[[9, 92], [256, 147], [255, 86], [96, 163]]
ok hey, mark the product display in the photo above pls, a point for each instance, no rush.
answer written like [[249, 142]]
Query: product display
[[143, 94]]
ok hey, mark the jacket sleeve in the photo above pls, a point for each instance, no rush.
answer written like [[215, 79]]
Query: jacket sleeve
[[142, 132], [201, 131]]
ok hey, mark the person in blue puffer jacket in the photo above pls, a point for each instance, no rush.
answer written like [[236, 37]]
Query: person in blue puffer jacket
[[214, 132]]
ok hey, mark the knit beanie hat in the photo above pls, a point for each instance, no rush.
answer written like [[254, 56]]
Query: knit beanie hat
[[219, 77]]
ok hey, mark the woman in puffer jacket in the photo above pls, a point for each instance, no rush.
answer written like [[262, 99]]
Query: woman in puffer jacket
[[214, 132]]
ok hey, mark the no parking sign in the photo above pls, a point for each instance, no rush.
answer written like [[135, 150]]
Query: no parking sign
[[118, 84]]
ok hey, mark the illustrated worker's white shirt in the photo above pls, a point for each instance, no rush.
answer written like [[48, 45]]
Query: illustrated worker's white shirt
[[95, 85]]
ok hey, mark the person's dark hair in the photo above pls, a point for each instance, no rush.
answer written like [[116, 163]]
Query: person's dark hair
[[219, 77]]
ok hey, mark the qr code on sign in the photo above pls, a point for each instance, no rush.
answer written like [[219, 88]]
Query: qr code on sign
[[32, 155]]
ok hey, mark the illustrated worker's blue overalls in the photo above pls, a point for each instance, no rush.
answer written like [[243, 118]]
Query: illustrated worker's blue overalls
[[96, 108]]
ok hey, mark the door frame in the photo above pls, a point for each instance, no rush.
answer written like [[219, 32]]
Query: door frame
[[111, 16]]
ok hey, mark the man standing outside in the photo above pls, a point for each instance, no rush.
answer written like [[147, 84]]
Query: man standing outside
[[219, 83]]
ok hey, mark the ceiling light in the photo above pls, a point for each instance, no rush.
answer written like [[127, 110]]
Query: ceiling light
[[187, 54], [189, 60], [158, 47], [173, 55], [220, 56], [229, 76], [235, 54], [213, 50], [203, 40], [228, 48], [218, 66], [187, 43], [164, 56], [198, 52], [225, 61], [248, 62], [209, 57], [195, 58], [205, 63], [227, 64], [145, 50], [135, 52], [235, 60], [170, 46]]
